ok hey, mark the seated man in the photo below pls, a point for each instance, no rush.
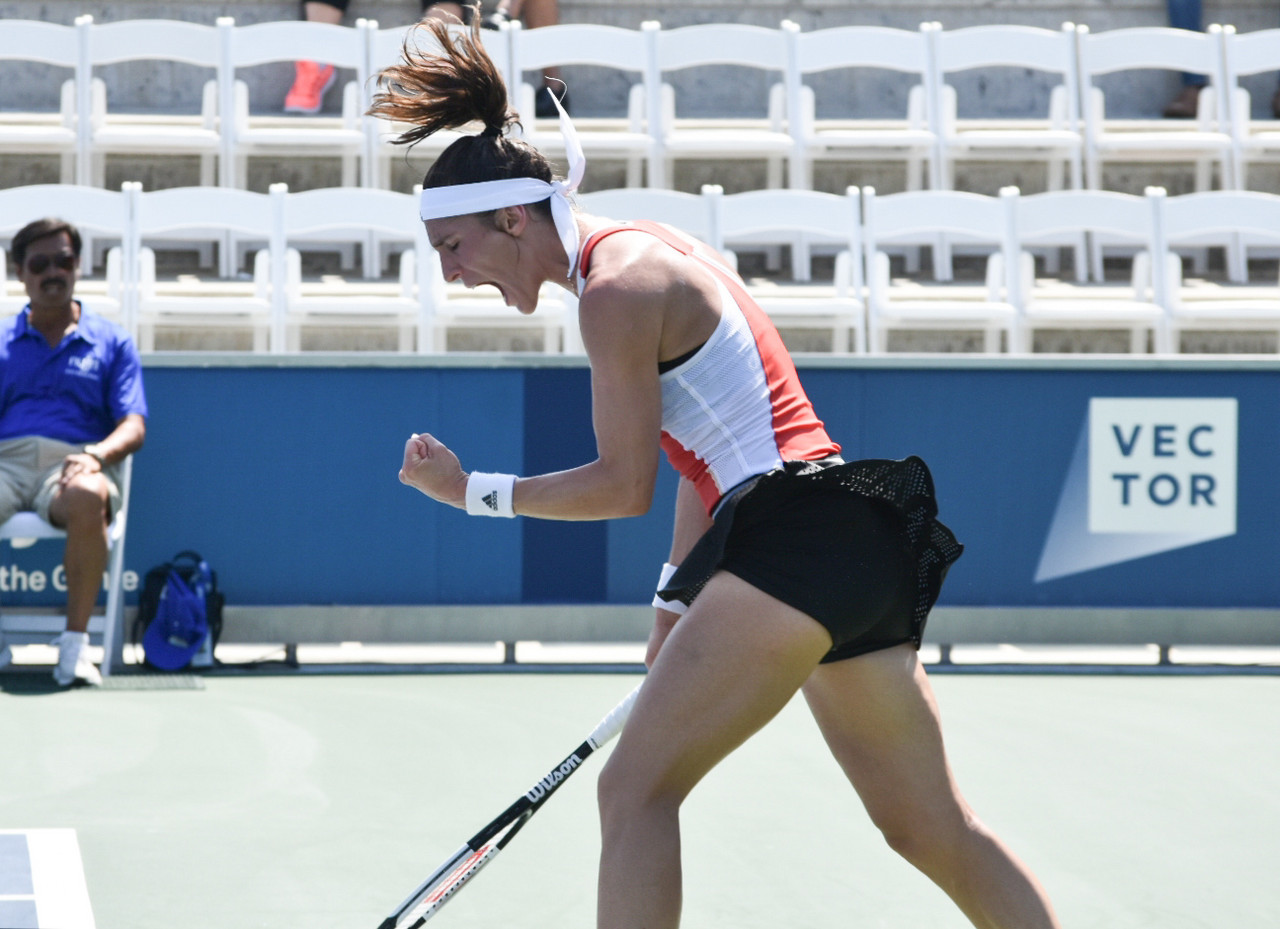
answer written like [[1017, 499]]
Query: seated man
[[71, 409]]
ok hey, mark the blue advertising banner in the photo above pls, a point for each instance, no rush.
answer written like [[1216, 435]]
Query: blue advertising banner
[[1072, 482]]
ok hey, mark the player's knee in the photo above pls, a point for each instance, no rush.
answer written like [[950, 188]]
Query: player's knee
[[927, 842], [911, 842], [612, 790], [623, 795]]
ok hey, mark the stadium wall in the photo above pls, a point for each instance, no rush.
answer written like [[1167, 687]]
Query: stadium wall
[[1089, 484]]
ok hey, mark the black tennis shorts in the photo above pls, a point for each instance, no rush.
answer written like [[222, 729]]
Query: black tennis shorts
[[854, 545]]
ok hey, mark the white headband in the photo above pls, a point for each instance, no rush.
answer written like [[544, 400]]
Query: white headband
[[463, 199]]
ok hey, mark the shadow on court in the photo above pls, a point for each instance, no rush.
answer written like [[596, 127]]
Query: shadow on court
[[26, 683]]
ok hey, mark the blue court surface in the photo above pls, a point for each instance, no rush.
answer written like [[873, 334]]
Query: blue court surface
[[320, 801]]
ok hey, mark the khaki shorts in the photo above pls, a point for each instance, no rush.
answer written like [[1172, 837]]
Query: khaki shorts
[[29, 471]]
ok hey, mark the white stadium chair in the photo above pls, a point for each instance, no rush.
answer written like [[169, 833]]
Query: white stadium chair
[[1204, 145], [624, 52], [757, 216], [836, 57], [356, 214], [52, 131], [917, 217], [679, 57], [1256, 141], [186, 303], [983, 133], [174, 43], [248, 134], [1228, 216], [1063, 216]]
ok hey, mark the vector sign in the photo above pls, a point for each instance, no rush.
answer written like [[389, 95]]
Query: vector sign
[[1162, 465], [1149, 475]]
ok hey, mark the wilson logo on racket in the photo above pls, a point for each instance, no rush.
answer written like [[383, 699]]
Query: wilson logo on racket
[[549, 782], [484, 846]]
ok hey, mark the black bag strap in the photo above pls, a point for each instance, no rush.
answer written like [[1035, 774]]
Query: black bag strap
[[188, 561]]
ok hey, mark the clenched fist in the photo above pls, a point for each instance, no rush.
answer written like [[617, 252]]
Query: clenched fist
[[434, 470]]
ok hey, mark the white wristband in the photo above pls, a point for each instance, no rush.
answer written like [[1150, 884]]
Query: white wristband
[[673, 606], [490, 494]]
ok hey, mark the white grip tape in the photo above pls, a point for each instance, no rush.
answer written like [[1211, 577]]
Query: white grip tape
[[612, 724], [490, 494], [673, 606]]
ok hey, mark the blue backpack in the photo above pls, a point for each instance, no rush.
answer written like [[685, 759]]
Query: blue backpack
[[179, 611]]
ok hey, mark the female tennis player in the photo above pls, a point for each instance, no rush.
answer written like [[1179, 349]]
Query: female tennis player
[[796, 570]]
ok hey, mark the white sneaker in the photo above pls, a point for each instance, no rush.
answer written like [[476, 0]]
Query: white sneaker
[[73, 664]]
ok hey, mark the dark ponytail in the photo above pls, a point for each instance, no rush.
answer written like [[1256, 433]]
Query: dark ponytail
[[451, 87]]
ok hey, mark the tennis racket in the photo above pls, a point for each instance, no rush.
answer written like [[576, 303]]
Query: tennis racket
[[481, 848]]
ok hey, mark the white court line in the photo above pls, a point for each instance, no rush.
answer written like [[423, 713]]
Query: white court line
[[57, 877]]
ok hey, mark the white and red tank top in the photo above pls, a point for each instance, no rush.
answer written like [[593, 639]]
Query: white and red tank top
[[734, 408]]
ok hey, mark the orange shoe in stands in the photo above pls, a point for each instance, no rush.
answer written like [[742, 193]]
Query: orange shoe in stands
[[310, 82]]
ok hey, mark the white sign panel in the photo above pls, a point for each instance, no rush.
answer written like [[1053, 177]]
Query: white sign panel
[[1162, 465]]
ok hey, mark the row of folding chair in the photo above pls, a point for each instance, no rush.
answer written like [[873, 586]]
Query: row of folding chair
[[272, 301], [859, 305], [1073, 137], [864, 302], [806, 75], [87, 129]]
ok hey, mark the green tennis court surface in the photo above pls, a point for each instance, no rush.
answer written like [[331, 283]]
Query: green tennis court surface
[[282, 802]]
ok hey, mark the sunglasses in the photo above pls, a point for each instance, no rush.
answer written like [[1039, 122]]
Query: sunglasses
[[37, 264]]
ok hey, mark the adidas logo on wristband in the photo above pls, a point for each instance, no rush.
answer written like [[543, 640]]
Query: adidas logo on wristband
[[490, 494]]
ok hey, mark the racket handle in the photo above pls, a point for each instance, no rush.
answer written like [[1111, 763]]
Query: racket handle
[[612, 724]]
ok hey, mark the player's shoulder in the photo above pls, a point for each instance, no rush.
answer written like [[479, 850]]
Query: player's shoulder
[[631, 264]]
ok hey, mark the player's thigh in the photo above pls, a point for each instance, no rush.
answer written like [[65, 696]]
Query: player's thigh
[[878, 715], [730, 664]]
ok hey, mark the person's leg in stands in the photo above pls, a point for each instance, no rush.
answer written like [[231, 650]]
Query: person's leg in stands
[[1275, 101], [311, 79], [1186, 14], [538, 13], [446, 10], [535, 14]]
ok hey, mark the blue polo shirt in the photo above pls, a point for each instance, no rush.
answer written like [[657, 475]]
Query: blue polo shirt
[[75, 391]]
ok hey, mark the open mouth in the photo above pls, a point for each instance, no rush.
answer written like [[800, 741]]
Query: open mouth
[[501, 292]]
